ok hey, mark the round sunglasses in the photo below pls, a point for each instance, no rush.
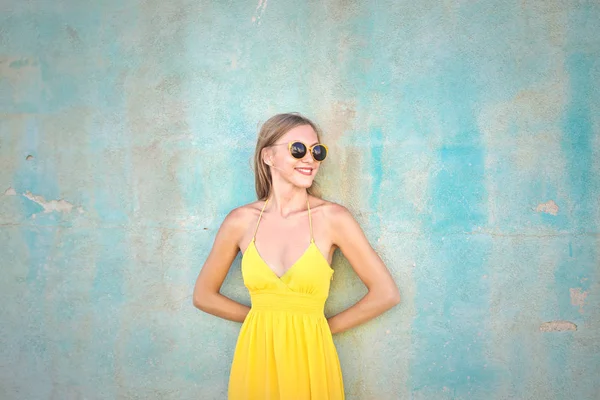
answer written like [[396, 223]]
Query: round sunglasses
[[298, 150]]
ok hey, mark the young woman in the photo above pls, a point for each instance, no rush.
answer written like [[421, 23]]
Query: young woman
[[285, 349]]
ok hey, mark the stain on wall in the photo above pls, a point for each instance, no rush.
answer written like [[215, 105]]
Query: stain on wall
[[464, 137]]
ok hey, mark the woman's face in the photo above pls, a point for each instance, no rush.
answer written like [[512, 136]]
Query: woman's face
[[300, 172]]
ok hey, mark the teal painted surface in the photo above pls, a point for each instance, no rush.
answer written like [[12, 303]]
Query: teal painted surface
[[454, 128]]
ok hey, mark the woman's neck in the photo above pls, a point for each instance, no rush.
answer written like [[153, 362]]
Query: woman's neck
[[286, 203]]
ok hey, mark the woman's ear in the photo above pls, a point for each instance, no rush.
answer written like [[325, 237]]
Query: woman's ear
[[266, 157]]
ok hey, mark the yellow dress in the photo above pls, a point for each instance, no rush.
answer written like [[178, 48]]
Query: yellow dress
[[285, 350]]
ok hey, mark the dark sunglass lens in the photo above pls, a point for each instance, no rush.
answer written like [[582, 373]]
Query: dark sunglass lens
[[298, 150], [319, 152]]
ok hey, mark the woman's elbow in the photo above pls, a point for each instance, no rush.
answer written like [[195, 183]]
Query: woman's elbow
[[201, 301], [393, 297], [396, 298], [197, 301]]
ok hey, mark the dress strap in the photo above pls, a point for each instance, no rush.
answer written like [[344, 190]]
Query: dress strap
[[258, 222], [310, 221]]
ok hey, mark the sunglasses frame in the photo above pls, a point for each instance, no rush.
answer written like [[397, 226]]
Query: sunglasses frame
[[308, 148]]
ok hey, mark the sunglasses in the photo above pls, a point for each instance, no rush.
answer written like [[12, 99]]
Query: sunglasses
[[298, 150]]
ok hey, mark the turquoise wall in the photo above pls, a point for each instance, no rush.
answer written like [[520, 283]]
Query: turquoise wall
[[464, 137]]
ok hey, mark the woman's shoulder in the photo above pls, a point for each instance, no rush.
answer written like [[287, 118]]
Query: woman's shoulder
[[242, 214], [331, 210], [246, 213], [235, 224]]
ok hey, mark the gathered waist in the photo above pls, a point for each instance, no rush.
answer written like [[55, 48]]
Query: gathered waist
[[290, 302]]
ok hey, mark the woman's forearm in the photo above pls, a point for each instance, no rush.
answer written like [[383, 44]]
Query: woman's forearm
[[367, 308], [221, 306]]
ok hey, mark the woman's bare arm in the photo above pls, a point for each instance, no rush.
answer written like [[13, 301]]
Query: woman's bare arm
[[382, 293], [207, 296]]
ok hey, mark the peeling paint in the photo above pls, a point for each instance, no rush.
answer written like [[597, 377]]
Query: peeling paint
[[578, 298], [447, 141], [49, 206], [549, 207], [558, 326], [260, 10]]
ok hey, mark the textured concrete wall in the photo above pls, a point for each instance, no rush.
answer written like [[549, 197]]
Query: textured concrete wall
[[464, 136]]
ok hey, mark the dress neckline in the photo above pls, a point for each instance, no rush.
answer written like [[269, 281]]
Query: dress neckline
[[310, 245], [280, 277]]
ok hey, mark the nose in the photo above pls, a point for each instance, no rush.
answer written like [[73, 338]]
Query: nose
[[308, 157]]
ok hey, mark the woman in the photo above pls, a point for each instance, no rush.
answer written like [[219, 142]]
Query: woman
[[285, 348]]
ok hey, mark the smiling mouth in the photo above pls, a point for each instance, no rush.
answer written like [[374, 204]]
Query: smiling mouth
[[305, 171]]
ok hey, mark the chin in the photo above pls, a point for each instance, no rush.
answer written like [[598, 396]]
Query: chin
[[304, 184]]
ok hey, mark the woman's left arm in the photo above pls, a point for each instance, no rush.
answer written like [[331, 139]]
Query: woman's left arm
[[382, 294]]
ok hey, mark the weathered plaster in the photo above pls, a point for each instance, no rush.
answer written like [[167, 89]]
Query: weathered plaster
[[464, 137]]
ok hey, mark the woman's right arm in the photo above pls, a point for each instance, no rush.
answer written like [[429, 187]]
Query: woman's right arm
[[207, 296]]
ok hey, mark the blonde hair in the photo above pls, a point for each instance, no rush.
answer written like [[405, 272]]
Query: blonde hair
[[274, 128]]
